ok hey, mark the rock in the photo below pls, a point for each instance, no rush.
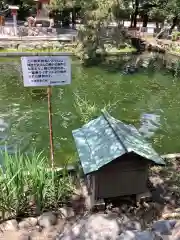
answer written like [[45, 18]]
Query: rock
[[96, 226], [47, 219], [66, 212], [23, 47], [55, 45], [136, 235], [39, 47], [28, 222], [125, 219], [45, 45], [10, 225], [133, 225], [164, 226], [116, 210], [38, 228], [166, 237], [128, 235], [176, 231]]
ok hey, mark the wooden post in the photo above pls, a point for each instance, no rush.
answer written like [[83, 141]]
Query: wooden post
[[49, 93]]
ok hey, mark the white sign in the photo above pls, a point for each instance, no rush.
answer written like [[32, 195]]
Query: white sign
[[44, 71]]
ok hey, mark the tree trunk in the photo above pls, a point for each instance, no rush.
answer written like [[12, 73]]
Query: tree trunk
[[145, 20], [65, 18], [175, 20], [73, 17], [132, 20], [136, 11]]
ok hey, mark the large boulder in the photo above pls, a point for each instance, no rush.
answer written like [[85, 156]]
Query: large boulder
[[10, 225], [136, 235], [164, 226], [97, 226]]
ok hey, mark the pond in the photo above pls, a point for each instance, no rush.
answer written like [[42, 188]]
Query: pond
[[150, 100]]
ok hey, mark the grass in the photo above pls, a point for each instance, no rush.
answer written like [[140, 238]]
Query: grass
[[27, 188]]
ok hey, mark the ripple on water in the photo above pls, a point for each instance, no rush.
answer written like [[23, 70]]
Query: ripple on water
[[150, 123]]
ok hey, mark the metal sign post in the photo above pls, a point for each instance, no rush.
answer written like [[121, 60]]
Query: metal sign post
[[47, 71]]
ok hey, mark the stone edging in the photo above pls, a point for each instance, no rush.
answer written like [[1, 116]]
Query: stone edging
[[171, 155], [19, 54], [64, 37]]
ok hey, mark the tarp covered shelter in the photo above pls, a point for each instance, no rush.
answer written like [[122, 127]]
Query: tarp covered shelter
[[105, 138]]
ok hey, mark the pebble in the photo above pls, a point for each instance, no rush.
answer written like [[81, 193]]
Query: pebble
[[66, 212], [47, 219], [28, 222]]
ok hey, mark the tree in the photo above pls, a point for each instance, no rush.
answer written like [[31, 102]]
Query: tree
[[3, 8]]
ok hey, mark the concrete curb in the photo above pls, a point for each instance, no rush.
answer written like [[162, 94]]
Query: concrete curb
[[21, 54]]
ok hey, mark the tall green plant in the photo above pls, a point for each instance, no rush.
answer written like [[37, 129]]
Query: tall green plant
[[12, 185], [28, 186]]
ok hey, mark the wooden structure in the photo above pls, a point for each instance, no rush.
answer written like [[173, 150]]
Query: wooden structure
[[114, 157]]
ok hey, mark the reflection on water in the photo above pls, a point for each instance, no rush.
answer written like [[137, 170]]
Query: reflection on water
[[149, 124], [132, 98]]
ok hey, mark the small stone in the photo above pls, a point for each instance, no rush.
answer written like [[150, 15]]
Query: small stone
[[47, 219], [166, 237], [28, 222], [164, 226], [128, 235], [125, 219], [133, 225], [38, 228], [116, 210], [66, 212], [39, 47], [10, 225]]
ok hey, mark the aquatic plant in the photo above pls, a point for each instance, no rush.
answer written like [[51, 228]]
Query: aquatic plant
[[28, 186]]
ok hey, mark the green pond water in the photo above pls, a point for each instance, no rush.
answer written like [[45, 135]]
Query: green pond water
[[24, 117]]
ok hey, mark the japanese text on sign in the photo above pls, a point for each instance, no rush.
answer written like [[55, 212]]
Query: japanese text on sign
[[46, 71]]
